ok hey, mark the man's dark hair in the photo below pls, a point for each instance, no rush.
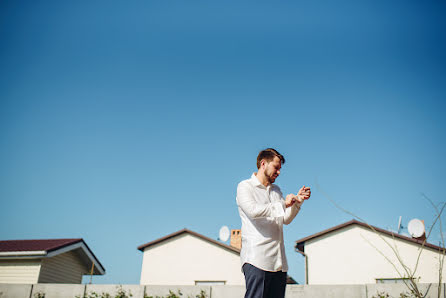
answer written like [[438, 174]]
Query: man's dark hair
[[268, 155]]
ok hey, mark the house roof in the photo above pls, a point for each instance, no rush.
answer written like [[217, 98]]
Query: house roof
[[46, 248], [35, 245], [301, 242], [186, 231]]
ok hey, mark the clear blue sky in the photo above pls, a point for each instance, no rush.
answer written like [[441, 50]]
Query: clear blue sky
[[124, 121]]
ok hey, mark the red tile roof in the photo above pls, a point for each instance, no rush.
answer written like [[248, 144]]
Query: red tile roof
[[36, 245]]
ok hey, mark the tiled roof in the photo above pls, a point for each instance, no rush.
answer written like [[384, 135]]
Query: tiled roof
[[36, 245]]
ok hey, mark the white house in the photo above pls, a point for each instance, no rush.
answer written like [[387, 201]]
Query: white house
[[47, 261], [354, 253], [188, 258]]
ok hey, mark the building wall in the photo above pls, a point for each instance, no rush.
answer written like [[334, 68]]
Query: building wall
[[350, 256], [186, 259], [19, 271], [63, 268]]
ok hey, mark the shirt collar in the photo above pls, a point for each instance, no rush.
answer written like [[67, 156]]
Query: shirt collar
[[255, 181]]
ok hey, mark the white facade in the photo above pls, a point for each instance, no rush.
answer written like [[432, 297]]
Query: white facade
[[19, 271], [355, 255], [188, 259]]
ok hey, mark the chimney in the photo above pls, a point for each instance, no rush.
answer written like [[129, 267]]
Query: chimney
[[236, 239]]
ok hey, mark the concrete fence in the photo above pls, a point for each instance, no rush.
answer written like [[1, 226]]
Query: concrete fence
[[141, 291]]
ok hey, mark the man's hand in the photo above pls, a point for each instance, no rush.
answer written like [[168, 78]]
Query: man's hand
[[290, 200], [304, 194]]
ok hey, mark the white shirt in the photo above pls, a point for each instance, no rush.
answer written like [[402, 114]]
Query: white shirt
[[263, 213]]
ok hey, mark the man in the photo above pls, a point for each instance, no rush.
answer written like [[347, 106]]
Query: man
[[263, 211]]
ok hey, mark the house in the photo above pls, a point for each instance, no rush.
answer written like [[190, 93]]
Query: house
[[47, 261], [356, 253], [189, 258]]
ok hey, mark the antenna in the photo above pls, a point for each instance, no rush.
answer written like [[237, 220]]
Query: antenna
[[223, 234], [416, 228], [399, 225]]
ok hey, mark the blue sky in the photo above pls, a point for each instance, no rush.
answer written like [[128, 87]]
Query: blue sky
[[124, 121]]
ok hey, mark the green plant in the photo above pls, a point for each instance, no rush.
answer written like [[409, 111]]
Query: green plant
[[386, 295], [172, 294], [39, 294], [202, 294], [89, 295], [121, 293], [95, 295], [381, 295]]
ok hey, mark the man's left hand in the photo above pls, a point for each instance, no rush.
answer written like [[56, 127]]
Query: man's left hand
[[304, 194]]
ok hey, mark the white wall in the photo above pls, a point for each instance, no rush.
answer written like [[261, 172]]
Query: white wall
[[19, 271], [185, 259], [347, 256], [137, 291]]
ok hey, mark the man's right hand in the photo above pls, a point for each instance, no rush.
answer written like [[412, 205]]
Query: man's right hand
[[290, 200], [303, 194]]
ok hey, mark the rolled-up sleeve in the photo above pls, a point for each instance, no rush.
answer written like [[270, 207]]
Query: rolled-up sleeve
[[253, 209]]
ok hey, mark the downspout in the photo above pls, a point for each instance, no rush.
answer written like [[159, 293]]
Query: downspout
[[306, 263]]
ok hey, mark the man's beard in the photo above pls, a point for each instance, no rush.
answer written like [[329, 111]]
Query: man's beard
[[270, 177]]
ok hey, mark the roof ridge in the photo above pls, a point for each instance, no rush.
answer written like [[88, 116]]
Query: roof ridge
[[185, 230], [300, 242], [37, 244]]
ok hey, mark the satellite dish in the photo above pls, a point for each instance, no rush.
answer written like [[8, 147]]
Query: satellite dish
[[416, 228], [223, 235]]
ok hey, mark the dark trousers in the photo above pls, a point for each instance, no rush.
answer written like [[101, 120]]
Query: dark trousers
[[263, 284]]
